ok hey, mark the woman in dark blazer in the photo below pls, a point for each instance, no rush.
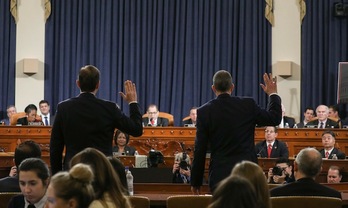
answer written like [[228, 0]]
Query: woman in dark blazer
[[121, 144]]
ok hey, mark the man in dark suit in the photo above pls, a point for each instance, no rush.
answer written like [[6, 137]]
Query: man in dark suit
[[191, 122], [46, 117], [226, 124], [153, 119], [86, 121], [10, 110], [27, 149], [307, 166], [323, 121], [308, 115], [330, 152], [271, 147]]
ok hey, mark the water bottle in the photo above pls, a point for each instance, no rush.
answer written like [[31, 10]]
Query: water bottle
[[286, 125], [136, 153], [295, 126], [334, 157], [129, 177]]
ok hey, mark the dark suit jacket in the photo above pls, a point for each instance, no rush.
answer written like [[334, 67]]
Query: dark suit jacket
[[127, 149], [305, 187], [279, 149], [289, 120], [329, 123], [9, 184], [187, 122], [160, 121], [300, 125], [51, 119], [6, 121], [24, 121], [17, 202], [339, 154], [227, 125], [86, 121]]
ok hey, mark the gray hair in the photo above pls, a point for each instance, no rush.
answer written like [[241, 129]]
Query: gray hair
[[309, 162]]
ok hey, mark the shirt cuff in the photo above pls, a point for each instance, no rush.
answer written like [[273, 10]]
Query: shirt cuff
[[273, 94], [132, 102]]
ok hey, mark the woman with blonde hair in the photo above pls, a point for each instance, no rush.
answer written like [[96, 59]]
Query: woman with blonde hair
[[256, 176], [73, 188], [107, 185]]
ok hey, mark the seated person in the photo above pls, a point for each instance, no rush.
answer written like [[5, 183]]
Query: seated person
[[308, 115], [191, 122], [329, 151], [30, 118], [27, 149], [271, 147], [33, 180], [121, 148], [334, 174], [281, 173], [286, 122], [71, 189], [153, 119], [11, 109], [323, 121], [181, 168]]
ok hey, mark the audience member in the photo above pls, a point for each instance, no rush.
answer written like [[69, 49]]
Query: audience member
[[323, 121], [27, 149], [107, 185], [254, 173], [11, 109], [271, 147], [121, 144], [152, 118], [86, 121], [33, 181], [308, 115], [234, 192], [46, 117], [181, 168], [307, 166], [191, 122], [30, 117], [281, 173], [71, 189], [120, 171], [329, 151], [226, 125], [334, 174], [286, 122]]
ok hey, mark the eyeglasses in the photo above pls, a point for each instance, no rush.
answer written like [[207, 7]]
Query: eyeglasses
[[151, 113], [269, 131]]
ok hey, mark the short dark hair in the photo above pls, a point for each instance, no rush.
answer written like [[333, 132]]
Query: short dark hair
[[43, 101], [222, 80], [30, 108], [88, 78], [36, 165], [329, 132], [118, 132], [27, 149], [334, 167]]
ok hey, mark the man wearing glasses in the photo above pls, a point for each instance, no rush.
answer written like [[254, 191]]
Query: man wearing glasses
[[271, 147], [153, 119]]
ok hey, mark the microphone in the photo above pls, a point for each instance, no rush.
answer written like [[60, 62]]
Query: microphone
[[259, 154]]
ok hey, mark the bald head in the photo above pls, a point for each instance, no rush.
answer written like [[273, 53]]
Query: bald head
[[309, 162]]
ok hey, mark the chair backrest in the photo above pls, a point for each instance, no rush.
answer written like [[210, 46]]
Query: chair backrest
[[186, 118], [168, 116], [139, 201], [5, 198], [15, 117], [189, 201], [305, 202]]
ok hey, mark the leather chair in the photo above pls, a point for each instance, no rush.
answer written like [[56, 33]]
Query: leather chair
[[168, 116], [305, 202], [189, 201], [5, 198], [16, 116], [186, 118], [139, 201]]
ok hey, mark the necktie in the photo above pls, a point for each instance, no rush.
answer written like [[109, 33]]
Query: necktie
[[321, 125], [152, 122], [326, 154], [46, 121], [31, 206], [269, 150]]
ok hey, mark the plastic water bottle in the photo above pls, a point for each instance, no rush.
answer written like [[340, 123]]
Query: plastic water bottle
[[129, 177], [334, 157], [286, 125], [295, 126]]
